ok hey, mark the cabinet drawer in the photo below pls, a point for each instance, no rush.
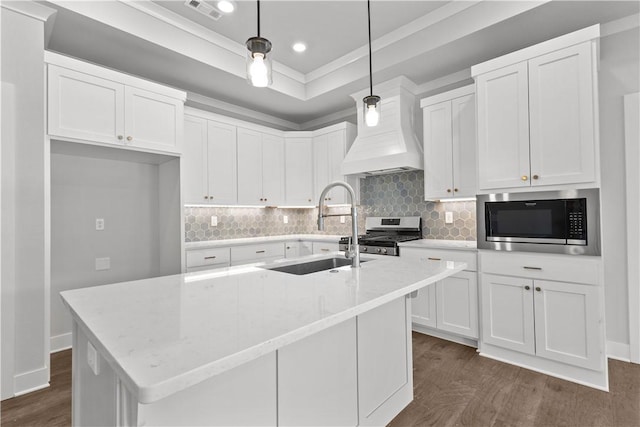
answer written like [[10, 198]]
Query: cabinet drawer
[[324, 247], [204, 257], [442, 254], [257, 253], [565, 268]]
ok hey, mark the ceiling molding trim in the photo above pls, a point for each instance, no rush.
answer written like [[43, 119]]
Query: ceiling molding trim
[[171, 18], [329, 119], [444, 81], [620, 25], [407, 30], [29, 8], [195, 100]]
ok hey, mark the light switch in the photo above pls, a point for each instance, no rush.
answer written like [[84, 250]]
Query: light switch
[[103, 264], [285, 219], [342, 219], [448, 217], [99, 224], [214, 221]]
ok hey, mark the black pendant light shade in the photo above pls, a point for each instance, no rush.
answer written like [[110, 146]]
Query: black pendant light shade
[[258, 58], [372, 104]]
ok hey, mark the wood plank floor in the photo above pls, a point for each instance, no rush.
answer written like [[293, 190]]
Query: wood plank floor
[[452, 386]]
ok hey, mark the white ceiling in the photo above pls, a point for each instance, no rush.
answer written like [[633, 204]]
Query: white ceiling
[[424, 40]]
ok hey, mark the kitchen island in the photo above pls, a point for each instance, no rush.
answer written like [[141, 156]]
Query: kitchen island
[[248, 345]]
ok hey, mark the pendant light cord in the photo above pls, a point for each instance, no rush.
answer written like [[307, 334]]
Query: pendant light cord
[[370, 68], [258, 17]]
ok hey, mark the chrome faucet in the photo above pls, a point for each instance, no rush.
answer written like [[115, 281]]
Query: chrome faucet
[[353, 250]]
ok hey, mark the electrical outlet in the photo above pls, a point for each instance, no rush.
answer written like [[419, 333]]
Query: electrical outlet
[[214, 221], [448, 217], [342, 219], [93, 359], [285, 219], [103, 264], [99, 224]]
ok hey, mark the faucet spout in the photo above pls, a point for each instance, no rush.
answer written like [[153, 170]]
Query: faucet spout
[[354, 250]]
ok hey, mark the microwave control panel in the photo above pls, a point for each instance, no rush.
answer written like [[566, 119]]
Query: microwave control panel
[[577, 221]]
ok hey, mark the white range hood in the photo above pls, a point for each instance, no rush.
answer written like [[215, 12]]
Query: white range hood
[[392, 146]]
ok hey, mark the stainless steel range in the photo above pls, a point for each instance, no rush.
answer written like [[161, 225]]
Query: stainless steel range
[[384, 233]]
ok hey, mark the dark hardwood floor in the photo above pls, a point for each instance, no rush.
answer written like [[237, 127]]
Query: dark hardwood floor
[[452, 386]]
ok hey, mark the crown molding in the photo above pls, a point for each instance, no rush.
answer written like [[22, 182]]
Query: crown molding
[[620, 25], [444, 81], [29, 8], [338, 116]]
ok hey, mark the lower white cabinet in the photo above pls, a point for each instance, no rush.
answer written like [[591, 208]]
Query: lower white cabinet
[[546, 318], [206, 259], [294, 249], [450, 305], [259, 252], [325, 247]]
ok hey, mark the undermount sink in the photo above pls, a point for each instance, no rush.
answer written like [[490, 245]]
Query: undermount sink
[[312, 266]]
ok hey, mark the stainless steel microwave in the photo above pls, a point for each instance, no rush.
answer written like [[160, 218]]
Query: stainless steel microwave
[[548, 221]]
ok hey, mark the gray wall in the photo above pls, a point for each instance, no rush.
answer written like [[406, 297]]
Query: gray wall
[[619, 75], [25, 360], [126, 195]]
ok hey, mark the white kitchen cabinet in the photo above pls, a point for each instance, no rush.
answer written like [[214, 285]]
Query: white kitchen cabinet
[[541, 313], [451, 305], [294, 249], [209, 161], [206, 259], [259, 252], [325, 247], [450, 144], [299, 171], [260, 168], [95, 105], [329, 148], [537, 116]]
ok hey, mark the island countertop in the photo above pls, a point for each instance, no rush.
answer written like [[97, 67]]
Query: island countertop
[[165, 334]]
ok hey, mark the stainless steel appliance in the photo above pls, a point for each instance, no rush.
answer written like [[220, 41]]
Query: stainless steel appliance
[[384, 233], [565, 221]]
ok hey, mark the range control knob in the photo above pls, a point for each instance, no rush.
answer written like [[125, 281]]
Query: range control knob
[[378, 250], [364, 249], [384, 251]]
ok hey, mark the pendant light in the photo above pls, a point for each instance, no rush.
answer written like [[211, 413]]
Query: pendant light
[[371, 102], [258, 62]]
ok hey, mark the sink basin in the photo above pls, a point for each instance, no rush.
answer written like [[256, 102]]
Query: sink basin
[[312, 266]]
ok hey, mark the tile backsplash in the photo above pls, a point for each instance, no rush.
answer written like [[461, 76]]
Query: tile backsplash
[[400, 194]]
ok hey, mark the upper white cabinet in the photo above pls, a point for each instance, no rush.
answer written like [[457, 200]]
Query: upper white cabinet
[[95, 105], [537, 115], [260, 168], [329, 148], [299, 171], [209, 162], [450, 144]]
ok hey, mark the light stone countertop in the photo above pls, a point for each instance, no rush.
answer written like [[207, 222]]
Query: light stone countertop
[[464, 245], [165, 334], [251, 240]]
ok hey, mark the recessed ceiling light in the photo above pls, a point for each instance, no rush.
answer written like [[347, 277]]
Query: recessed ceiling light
[[299, 47], [226, 6]]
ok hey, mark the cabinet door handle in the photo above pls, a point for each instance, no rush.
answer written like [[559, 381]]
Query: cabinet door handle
[[538, 288], [260, 252], [535, 177], [526, 288], [448, 190], [524, 177], [531, 268], [206, 197], [434, 259], [120, 137], [324, 250], [129, 138], [210, 257]]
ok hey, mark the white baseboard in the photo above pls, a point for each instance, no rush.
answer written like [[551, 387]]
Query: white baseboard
[[618, 351], [444, 335], [31, 381], [61, 342]]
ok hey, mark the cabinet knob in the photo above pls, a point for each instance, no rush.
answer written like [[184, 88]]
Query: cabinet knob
[[120, 137], [206, 197], [308, 200], [265, 199], [288, 247], [524, 177], [329, 198], [538, 288], [535, 177], [527, 287], [129, 138], [261, 199], [448, 190], [455, 190]]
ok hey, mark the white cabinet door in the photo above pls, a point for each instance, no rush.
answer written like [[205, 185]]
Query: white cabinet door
[[249, 167], [153, 121], [457, 304], [222, 163], [85, 107], [463, 137], [384, 362], [423, 307], [194, 161], [317, 379], [273, 170], [438, 151], [568, 323], [299, 172], [507, 312], [337, 146], [503, 128], [561, 108], [321, 164]]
